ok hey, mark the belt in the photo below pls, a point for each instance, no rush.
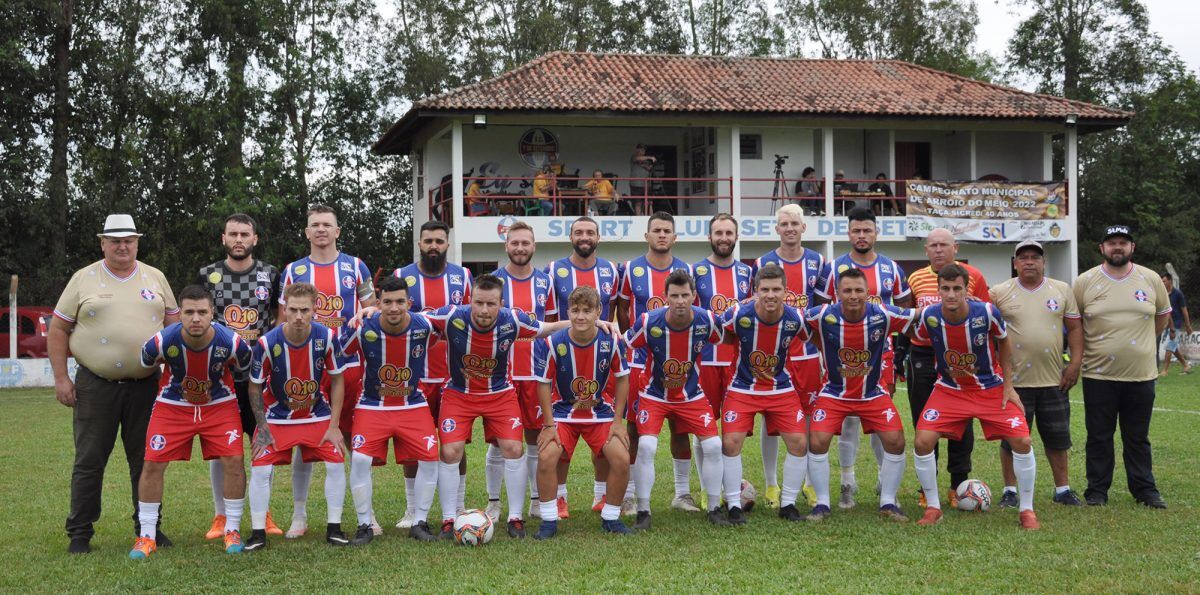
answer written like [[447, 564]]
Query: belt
[[118, 380]]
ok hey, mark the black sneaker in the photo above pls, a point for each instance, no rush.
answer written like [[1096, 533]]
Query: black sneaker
[[736, 516], [516, 528], [642, 523], [790, 513], [363, 535], [256, 541], [1152, 500], [334, 535], [1095, 499], [1068, 498], [715, 517], [447, 529], [547, 530], [819, 513], [80, 545], [615, 526], [420, 532], [1008, 499]]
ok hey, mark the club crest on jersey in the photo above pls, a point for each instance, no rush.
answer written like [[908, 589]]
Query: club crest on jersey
[[221, 353], [639, 272], [607, 288], [701, 270], [149, 295], [887, 283], [158, 442], [417, 351], [980, 339], [456, 297], [819, 415], [505, 344], [1052, 305], [261, 292], [449, 424], [358, 441], [745, 287], [301, 269], [348, 282], [730, 416], [459, 324], [172, 351], [562, 273], [1138, 295], [931, 415], [214, 277], [656, 331], [371, 336], [876, 335]]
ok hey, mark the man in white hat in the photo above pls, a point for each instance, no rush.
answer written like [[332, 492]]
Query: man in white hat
[[107, 311]]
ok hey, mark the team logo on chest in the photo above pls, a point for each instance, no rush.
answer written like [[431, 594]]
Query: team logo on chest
[[1138, 295], [262, 293], [1052, 305], [149, 295]]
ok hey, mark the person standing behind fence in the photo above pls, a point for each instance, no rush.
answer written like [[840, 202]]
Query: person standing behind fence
[[107, 311], [641, 166], [1180, 321]]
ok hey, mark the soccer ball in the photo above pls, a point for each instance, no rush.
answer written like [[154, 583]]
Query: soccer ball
[[749, 494], [473, 527], [974, 495]]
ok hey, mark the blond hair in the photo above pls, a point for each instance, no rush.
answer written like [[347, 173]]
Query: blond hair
[[792, 210]]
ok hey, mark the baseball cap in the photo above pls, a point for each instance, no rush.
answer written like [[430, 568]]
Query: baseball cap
[[119, 226], [1029, 244], [1117, 230]]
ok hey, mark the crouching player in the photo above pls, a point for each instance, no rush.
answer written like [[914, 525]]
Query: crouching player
[[392, 345], [970, 385], [764, 329], [290, 361], [197, 400], [852, 336], [578, 364]]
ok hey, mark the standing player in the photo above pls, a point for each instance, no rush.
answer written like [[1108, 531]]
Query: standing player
[[584, 269], [643, 288], [245, 293], [577, 366], [198, 400], [528, 290], [763, 330], [807, 274], [291, 361], [721, 282], [343, 284], [433, 283], [393, 346], [970, 386], [886, 285], [853, 336], [673, 338]]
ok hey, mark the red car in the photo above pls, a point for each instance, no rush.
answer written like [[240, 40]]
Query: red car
[[33, 325]]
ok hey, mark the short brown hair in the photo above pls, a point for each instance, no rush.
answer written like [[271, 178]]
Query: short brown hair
[[584, 296], [320, 209], [242, 218], [300, 290], [722, 217], [679, 277], [583, 219], [767, 272], [518, 226], [953, 271], [487, 282]]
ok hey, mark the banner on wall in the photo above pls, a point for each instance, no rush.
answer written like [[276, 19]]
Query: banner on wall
[[486, 230], [992, 212]]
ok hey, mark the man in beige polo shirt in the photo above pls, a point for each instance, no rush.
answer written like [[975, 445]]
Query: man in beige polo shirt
[[1037, 309], [1125, 308], [107, 311]]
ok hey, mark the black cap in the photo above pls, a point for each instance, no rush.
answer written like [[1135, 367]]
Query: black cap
[[1117, 230]]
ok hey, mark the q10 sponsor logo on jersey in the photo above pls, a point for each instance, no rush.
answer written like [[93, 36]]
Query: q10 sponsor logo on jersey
[[675, 373], [394, 381], [328, 305], [239, 318], [961, 364], [854, 362], [763, 363], [478, 367], [300, 393], [196, 391], [719, 303], [585, 390]]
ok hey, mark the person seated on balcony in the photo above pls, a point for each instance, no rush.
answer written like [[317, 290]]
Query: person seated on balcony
[[543, 189], [840, 186], [477, 203], [603, 195], [808, 185], [882, 187]]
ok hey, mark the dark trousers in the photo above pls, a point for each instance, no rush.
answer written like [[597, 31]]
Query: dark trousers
[[1105, 404], [921, 376], [102, 409], [242, 388]]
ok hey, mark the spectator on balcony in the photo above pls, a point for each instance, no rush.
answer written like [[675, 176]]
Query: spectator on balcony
[[842, 187], [477, 204], [882, 187], [544, 189], [808, 184], [603, 195], [641, 166]]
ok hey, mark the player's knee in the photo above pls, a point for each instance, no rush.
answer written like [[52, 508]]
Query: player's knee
[[818, 443], [512, 449], [549, 456], [647, 448], [893, 442], [1021, 445], [731, 444], [924, 443], [451, 452], [711, 447]]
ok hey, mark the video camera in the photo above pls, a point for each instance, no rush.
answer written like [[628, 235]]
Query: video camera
[[780, 160]]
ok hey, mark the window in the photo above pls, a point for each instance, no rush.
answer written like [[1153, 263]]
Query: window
[[750, 146]]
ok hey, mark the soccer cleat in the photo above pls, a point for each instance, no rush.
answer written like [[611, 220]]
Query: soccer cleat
[[363, 535], [1028, 520], [790, 513], [407, 520], [892, 512], [736, 516], [546, 530], [447, 529], [217, 529], [516, 528], [717, 518], [921, 501], [233, 542], [376, 529], [272, 528], [563, 512], [257, 541], [1068, 498], [932, 516], [493, 509], [846, 501], [818, 513], [1008, 499], [142, 548], [810, 495], [771, 498], [643, 521], [79, 545], [615, 526], [952, 498], [298, 529], [420, 532], [598, 504], [334, 535], [629, 507], [685, 503]]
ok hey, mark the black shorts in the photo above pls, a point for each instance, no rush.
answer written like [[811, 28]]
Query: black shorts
[[1049, 408]]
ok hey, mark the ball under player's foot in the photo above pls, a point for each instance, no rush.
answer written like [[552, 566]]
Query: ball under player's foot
[[643, 521], [272, 528], [1028, 520], [629, 507], [546, 530], [563, 510], [142, 548], [299, 527], [846, 501], [716, 517], [334, 535], [493, 510], [790, 513], [420, 532], [771, 498], [597, 503], [932, 516], [217, 529], [818, 513], [447, 529], [516, 528], [407, 520], [233, 542], [736, 516], [363, 535], [810, 495], [615, 526], [256, 541], [892, 512], [685, 503], [1008, 499]]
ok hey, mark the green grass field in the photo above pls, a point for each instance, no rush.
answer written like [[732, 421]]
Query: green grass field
[[1122, 547]]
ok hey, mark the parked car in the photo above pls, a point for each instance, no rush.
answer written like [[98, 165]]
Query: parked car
[[33, 325]]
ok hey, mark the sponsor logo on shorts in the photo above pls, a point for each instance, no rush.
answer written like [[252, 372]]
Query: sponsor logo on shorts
[[931, 415], [158, 442], [819, 415], [233, 435], [449, 424], [889, 413], [358, 441]]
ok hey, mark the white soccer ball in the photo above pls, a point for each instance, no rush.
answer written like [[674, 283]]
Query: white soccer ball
[[974, 495], [749, 494], [473, 527]]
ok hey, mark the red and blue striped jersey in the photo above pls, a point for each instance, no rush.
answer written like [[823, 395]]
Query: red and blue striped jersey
[[291, 374], [853, 351], [426, 294], [479, 358], [643, 286], [763, 348], [197, 377], [718, 289], [393, 365], [807, 279], [604, 277], [533, 296], [964, 353], [672, 353], [580, 373], [886, 281], [340, 284]]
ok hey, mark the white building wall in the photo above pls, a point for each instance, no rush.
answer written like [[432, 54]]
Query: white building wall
[[795, 143], [1014, 155]]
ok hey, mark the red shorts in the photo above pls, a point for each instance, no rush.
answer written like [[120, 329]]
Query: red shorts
[[714, 381], [808, 376], [594, 434], [638, 378], [527, 398], [172, 427], [877, 415], [310, 437], [352, 385], [500, 412], [433, 395], [689, 417], [782, 412], [948, 411], [411, 430]]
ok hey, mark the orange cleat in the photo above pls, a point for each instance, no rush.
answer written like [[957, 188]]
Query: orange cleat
[[142, 548], [952, 498], [1028, 520], [233, 542], [217, 529], [598, 505], [563, 513], [932, 516], [921, 501], [272, 528]]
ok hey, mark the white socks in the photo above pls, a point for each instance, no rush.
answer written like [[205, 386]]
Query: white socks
[[410, 498], [794, 470], [683, 471], [260, 495], [891, 471], [515, 477], [926, 466], [644, 470], [770, 455], [301, 479], [335, 492], [360, 486], [610, 512], [712, 472], [447, 487], [216, 477], [493, 471], [531, 463], [148, 518], [548, 511], [423, 488], [233, 513], [848, 448], [818, 476], [877, 447], [599, 489], [1025, 467], [460, 502], [732, 480]]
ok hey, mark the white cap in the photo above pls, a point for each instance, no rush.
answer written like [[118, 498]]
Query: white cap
[[119, 226]]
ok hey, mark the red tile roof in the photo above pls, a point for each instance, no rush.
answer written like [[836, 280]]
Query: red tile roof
[[657, 83]]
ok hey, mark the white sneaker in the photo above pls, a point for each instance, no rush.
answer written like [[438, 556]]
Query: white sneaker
[[298, 529], [685, 503], [493, 510], [408, 520], [629, 507], [376, 528], [847, 498]]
